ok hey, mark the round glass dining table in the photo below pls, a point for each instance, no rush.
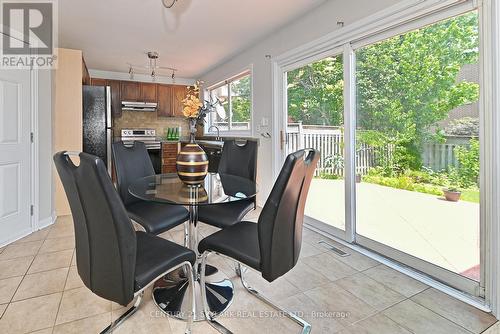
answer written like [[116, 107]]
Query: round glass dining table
[[170, 293]]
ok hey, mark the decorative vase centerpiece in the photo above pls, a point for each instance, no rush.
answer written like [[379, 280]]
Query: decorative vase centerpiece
[[192, 161]]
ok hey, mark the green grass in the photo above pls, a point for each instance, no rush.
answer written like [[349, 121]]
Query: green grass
[[470, 195]]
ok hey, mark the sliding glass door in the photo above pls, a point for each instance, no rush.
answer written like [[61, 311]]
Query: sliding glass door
[[417, 147], [315, 119], [396, 118]]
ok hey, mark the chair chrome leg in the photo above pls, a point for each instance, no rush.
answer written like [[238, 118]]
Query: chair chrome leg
[[219, 327], [186, 234], [125, 315], [190, 274], [306, 327]]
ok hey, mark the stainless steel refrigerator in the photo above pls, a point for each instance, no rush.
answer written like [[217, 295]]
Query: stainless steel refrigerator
[[97, 122]]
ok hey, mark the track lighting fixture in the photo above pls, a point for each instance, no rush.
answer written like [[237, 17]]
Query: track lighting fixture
[[152, 67]]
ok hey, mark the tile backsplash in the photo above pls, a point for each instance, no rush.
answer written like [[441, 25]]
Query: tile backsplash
[[148, 120]]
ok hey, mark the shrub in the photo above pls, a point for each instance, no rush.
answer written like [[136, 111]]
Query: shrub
[[403, 182], [327, 176], [468, 164], [424, 176]]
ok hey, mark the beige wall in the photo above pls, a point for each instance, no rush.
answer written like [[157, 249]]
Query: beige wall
[[67, 130]]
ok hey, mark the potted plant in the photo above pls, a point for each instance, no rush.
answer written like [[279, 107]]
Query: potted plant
[[452, 192]]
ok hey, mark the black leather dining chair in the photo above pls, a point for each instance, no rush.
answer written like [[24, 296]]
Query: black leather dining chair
[[132, 163], [238, 159], [272, 245], [114, 261]]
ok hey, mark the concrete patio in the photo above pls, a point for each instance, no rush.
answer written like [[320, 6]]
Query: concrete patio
[[425, 226]]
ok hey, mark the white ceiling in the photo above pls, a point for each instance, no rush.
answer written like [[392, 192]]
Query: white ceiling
[[193, 36]]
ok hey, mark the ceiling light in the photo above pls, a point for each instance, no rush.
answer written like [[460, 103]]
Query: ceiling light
[[151, 67], [168, 3]]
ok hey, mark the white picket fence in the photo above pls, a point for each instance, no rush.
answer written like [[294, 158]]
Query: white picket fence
[[329, 140]]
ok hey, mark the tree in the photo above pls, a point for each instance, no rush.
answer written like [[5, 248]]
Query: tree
[[241, 99], [407, 83], [315, 93]]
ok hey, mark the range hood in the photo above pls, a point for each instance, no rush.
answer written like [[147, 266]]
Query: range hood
[[139, 106]]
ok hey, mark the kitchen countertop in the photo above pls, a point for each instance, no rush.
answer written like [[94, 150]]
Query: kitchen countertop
[[208, 141]]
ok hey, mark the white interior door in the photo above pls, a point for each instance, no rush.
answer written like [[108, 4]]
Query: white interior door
[[15, 153]]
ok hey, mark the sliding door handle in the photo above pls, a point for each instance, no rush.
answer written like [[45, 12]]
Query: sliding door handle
[[282, 140]]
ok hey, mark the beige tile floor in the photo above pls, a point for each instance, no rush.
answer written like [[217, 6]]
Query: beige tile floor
[[41, 292]]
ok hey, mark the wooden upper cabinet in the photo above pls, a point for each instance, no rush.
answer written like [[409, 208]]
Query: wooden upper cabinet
[[98, 82], [116, 101], [178, 94], [168, 97], [130, 91], [164, 93], [85, 74], [148, 92]]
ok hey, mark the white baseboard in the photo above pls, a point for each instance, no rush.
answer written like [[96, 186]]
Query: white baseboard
[[47, 221], [21, 235], [41, 224]]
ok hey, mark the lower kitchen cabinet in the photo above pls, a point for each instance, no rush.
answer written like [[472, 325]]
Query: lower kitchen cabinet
[[169, 153]]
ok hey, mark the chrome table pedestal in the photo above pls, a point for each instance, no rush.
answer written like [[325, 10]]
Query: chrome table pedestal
[[170, 293]]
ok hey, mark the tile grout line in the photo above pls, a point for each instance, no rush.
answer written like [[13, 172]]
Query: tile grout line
[[493, 324], [442, 316], [439, 315], [417, 293], [24, 276], [406, 276], [384, 309], [1, 314], [62, 294]]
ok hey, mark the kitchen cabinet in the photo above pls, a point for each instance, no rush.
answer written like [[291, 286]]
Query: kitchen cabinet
[[178, 94], [98, 82], [148, 92], [130, 91], [164, 94], [116, 102], [168, 97], [85, 74], [169, 153]]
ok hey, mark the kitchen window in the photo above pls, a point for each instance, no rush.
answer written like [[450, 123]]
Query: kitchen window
[[234, 112]]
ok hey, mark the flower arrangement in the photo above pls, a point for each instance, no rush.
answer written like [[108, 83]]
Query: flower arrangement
[[194, 109], [192, 103]]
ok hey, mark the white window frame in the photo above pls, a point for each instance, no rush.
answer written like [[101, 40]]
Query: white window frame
[[402, 17], [227, 82]]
